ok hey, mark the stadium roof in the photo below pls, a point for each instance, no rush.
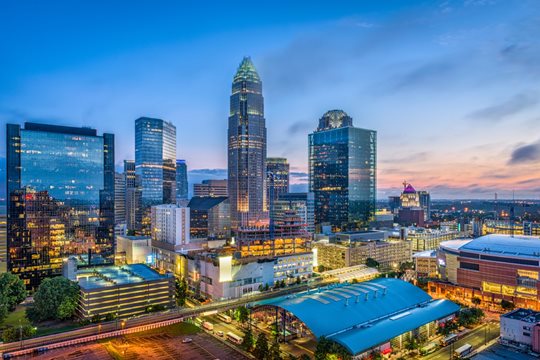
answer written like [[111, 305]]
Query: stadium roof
[[364, 315], [523, 246]]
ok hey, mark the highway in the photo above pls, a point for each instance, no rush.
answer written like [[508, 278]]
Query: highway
[[139, 322], [476, 338]]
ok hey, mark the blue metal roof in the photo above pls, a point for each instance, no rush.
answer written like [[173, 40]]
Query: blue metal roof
[[522, 246], [364, 315]]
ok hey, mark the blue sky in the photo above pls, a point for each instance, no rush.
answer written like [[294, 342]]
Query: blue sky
[[450, 86]]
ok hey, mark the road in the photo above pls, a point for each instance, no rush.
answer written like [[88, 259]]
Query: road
[[184, 313], [476, 338]]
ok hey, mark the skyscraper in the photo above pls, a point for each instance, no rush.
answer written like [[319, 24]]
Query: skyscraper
[[155, 160], [119, 198], [247, 148], [61, 198], [277, 178], [181, 180], [211, 188], [342, 172]]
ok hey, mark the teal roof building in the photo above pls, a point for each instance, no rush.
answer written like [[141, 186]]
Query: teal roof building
[[366, 315]]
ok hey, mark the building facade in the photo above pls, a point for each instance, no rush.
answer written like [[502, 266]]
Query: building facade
[[342, 172], [247, 148], [521, 328], [181, 180], [211, 188], [209, 217], [133, 249], [155, 160], [60, 186], [277, 179], [170, 226], [119, 198], [3, 244], [303, 204], [491, 267]]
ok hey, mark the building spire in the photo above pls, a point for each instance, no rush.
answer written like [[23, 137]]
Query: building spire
[[247, 71]]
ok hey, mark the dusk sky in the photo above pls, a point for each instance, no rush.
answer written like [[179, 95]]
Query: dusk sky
[[452, 87]]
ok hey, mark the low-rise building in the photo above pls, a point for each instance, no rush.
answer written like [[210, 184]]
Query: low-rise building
[[521, 328], [423, 239], [133, 250], [210, 217], [389, 254], [123, 291], [425, 263]]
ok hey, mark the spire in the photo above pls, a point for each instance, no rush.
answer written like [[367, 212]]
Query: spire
[[246, 71]]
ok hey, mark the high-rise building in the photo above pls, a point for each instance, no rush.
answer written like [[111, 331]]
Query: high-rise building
[[133, 198], [277, 179], [119, 198], [155, 160], [247, 148], [3, 244], [425, 203], [301, 203], [60, 186], [342, 172], [129, 172], [209, 217], [170, 226], [211, 188], [181, 180]]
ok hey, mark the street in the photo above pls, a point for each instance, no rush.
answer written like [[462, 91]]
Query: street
[[476, 338]]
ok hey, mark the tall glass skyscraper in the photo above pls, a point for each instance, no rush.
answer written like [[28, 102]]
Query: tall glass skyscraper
[[247, 148], [181, 180], [277, 178], [155, 160], [343, 172], [61, 198]]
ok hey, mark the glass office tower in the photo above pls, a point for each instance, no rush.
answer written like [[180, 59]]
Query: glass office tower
[[342, 172], [181, 180], [155, 160], [277, 178], [60, 198], [247, 148]]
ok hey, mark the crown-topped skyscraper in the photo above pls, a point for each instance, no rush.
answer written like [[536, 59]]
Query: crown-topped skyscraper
[[247, 148]]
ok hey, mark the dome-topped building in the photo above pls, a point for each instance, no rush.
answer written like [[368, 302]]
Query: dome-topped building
[[334, 119]]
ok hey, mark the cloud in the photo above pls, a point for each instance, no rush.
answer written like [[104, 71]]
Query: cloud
[[301, 127], [525, 154], [426, 75], [514, 105], [299, 177]]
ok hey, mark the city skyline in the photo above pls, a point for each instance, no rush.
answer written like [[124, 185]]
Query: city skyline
[[328, 57]]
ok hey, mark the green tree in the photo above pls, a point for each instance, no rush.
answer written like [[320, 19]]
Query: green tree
[[241, 314], [292, 357], [12, 293], [305, 357], [476, 301], [372, 263], [12, 334], [298, 280], [261, 347], [56, 298], [507, 305], [181, 291], [322, 349], [247, 344], [274, 352]]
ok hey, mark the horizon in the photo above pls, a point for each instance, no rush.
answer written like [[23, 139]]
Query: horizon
[[449, 86]]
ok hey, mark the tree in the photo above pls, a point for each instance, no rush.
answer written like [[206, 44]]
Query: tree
[[12, 334], [261, 347], [305, 357], [247, 344], [292, 357], [55, 299], [507, 305], [476, 301], [298, 280], [372, 263], [181, 291], [241, 314], [321, 268], [266, 287], [274, 352], [12, 293]]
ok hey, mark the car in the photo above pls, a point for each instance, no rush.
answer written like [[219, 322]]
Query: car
[[187, 340], [219, 333]]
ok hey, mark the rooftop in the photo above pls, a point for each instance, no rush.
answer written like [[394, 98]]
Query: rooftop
[[526, 315], [523, 246], [425, 254], [205, 202], [107, 276], [246, 71], [364, 315]]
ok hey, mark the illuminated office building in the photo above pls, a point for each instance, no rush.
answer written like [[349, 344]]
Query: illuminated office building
[[60, 198], [3, 244], [342, 172], [277, 178], [247, 148], [181, 180], [211, 188], [119, 198], [155, 160]]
